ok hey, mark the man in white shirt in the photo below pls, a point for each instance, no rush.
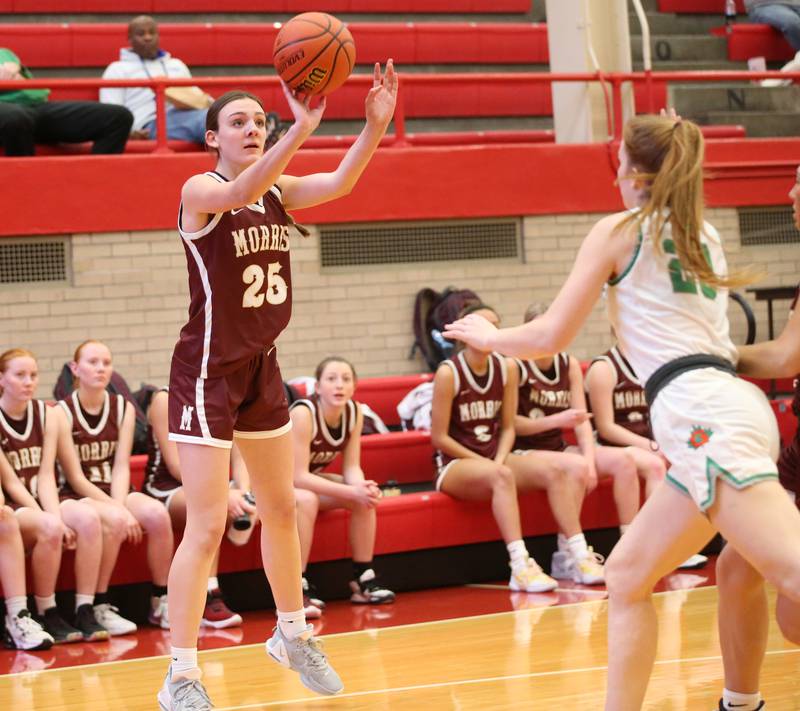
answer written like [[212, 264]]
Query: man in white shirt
[[186, 106]]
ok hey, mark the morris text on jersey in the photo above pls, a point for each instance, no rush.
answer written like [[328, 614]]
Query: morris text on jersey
[[260, 238]]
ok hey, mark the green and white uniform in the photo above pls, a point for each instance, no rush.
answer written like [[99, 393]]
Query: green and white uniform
[[709, 423]]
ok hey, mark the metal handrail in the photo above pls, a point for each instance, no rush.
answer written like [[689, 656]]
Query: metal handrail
[[615, 79]]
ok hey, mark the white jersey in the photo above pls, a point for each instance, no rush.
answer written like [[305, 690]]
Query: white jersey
[[659, 313]]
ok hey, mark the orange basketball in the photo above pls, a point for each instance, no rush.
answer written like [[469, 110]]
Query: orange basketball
[[314, 53]]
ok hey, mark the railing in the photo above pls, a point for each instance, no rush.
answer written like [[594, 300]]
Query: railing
[[522, 80]]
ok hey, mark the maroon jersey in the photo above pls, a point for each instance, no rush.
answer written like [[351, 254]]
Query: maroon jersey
[[240, 286], [158, 482], [21, 442], [327, 442], [630, 406], [475, 414], [95, 438], [789, 461], [541, 395]]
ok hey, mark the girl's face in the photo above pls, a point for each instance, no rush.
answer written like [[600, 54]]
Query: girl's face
[[794, 195], [336, 384], [20, 378], [94, 367], [242, 132], [630, 188]]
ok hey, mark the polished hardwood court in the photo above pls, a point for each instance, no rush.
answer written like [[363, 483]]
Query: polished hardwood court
[[543, 654]]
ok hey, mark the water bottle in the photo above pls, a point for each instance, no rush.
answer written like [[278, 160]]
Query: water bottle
[[445, 344], [730, 15], [241, 527]]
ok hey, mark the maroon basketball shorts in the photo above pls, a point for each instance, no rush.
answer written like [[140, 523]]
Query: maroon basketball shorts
[[249, 403], [789, 469]]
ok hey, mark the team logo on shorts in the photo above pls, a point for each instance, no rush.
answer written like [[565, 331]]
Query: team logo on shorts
[[699, 436]]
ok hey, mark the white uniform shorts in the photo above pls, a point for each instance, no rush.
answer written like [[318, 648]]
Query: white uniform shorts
[[713, 426]]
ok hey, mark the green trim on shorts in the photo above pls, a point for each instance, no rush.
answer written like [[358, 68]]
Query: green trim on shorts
[[617, 279], [736, 483], [680, 487]]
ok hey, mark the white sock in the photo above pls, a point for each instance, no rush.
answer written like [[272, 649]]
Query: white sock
[[81, 599], [518, 554], [623, 528], [577, 546], [562, 543], [16, 604], [740, 702], [44, 603], [184, 659], [292, 624], [213, 584]]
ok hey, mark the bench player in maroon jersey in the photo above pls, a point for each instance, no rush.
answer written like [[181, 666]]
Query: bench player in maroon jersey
[[225, 380], [743, 607], [622, 419], [28, 436], [95, 442], [163, 481], [328, 423], [472, 427], [551, 399]]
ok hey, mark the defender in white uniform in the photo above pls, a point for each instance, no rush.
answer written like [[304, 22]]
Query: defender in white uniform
[[667, 300]]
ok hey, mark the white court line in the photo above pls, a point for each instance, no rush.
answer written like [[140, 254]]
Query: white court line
[[485, 680], [492, 586], [371, 631]]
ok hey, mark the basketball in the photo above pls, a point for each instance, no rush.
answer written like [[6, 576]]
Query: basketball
[[314, 53]]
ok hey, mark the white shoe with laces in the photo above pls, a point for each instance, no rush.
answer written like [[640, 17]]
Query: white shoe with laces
[[531, 578], [108, 616], [23, 632], [589, 569]]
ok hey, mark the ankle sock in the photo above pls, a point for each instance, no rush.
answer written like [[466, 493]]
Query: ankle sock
[[16, 604], [184, 659], [81, 599], [740, 702], [213, 584], [518, 553], [577, 546], [292, 624], [44, 603]]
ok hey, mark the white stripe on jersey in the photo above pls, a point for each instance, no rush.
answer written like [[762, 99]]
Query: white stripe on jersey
[[657, 321], [201, 267], [200, 402], [11, 432], [82, 420]]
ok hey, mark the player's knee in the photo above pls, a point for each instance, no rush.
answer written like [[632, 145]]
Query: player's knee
[[17, 120], [623, 582], [735, 574], [9, 526], [49, 530], [502, 477], [788, 582], [787, 613], [115, 524], [155, 520], [307, 502], [88, 527]]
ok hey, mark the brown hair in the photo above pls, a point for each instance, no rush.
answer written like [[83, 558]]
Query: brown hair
[[212, 116], [669, 154], [534, 310], [333, 359]]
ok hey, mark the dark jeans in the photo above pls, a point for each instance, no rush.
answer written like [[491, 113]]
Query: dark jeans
[[22, 126]]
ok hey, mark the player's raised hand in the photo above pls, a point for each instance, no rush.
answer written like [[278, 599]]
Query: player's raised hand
[[474, 330], [382, 96], [304, 116]]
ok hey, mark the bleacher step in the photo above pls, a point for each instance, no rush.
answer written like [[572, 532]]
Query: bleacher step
[[665, 48], [662, 23], [758, 124], [702, 98]]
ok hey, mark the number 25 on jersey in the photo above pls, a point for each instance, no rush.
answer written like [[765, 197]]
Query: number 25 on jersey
[[681, 282], [276, 290]]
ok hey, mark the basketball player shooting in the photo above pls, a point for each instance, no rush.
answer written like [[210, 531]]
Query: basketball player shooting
[[225, 381]]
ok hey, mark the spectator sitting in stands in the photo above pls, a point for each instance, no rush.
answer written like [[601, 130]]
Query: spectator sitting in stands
[[783, 15], [187, 106], [27, 117], [324, 424]]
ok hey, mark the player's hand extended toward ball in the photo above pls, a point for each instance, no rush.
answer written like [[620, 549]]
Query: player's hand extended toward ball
[[382, 96], [474, 330], [305, 117]]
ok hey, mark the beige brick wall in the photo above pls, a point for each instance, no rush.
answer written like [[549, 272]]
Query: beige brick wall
[[129, 289]]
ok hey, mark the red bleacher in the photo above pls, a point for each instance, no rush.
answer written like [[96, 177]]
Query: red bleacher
[[243, 44], [265, 6], [704, 7], [745, 41]]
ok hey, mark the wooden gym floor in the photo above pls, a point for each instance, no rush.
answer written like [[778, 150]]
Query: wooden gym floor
[[479, 647]]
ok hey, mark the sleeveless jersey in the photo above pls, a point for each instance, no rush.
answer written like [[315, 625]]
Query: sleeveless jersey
[[477, 402], [156, 473], [630, 406], [326, 444], [541, 396], [660, 314], [240, 286], [23, 450], [94, 445]]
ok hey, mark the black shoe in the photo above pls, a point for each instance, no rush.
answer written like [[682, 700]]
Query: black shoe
[[367, 590], [88, 626], [58, 628], [762, 705]]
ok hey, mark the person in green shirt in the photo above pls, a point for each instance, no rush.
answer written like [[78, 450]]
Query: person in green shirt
[[27, 117]]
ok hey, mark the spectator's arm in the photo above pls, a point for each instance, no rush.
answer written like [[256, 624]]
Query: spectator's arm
[[112, 94], [121, 469], [46, 487]]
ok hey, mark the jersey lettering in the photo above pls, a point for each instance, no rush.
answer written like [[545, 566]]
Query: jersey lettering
[[186, 418], [681, 282]]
